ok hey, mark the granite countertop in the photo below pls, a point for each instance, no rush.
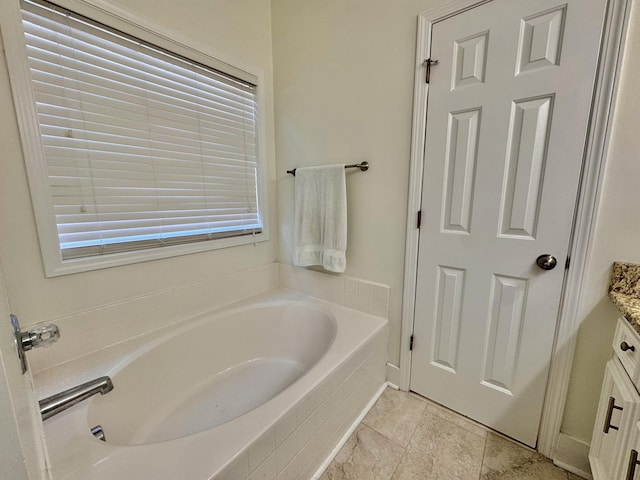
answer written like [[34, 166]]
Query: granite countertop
[[624, 291]]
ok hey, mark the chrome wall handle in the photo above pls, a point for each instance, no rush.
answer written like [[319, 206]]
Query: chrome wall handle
[[41, 336]]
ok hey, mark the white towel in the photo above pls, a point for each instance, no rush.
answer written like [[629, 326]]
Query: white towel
[[320, 223]]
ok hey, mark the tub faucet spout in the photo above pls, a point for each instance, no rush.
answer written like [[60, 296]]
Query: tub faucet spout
[[59, 402]]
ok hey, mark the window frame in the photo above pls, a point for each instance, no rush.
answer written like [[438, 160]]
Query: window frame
[[33, 153]]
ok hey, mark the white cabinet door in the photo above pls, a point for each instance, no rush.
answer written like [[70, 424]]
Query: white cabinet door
[[618, 412], [631, 456]]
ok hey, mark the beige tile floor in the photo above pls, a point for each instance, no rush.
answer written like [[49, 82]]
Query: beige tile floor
[[406, 437]]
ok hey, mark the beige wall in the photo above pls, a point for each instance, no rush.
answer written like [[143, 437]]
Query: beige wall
[[236, 28], [617, 237], [343, 93], [343, 89]]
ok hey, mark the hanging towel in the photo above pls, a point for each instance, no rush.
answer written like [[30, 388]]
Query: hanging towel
[[320, 218]]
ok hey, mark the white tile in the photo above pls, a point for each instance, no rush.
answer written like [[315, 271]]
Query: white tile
[[314, 280], [322, 436], [365, 304], [343, 371], [337, 290], [351, 301], [273, 275], [312, 467], [88, 331], [350, 287], [38, 360], [261, 449], [323, 287], [303, 281], [306, 406], [286, 451], [266, 470], [307, 429], [324, 411], [239, 470], [290, 472], [325, 388], [285, 426], [365, 289], [267, 277], [362, 354], [300, 462], [380, 293], [285, 275], [380, 309]]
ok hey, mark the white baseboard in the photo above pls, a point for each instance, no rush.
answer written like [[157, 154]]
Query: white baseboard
[[572, 454], [393, 374]]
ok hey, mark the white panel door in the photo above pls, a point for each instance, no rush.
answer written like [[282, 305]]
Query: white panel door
[[508, 109]]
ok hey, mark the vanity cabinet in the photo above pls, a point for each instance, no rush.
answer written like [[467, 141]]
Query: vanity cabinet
[[632, 460], [616, 435]]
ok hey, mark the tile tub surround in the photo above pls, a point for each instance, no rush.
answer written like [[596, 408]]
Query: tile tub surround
[[406, 437], [89, 331], [289, 445], [363, 295], [624, 291]]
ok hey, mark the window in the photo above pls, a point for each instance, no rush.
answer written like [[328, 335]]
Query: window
[[142, 148]]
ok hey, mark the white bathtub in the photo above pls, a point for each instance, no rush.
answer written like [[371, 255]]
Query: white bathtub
[[263, 389]]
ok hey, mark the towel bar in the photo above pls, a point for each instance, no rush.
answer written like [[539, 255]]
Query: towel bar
[[363, 166]]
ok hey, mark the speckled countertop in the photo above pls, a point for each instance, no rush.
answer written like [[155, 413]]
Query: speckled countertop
[[624, 291]]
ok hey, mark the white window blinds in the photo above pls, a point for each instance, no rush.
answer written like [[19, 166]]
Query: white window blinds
[[143, 148]]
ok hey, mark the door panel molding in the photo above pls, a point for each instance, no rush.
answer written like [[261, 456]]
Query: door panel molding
[[526, 159], [541, 40], [506, 316], [446, 334], [461, 157], [612, 46]]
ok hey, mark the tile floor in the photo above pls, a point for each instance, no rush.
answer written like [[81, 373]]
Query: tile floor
[[406, 437]]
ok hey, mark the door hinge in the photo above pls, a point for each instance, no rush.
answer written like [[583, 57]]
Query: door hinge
[[567, 263], [411, 344], [428, 62], [419, 218]]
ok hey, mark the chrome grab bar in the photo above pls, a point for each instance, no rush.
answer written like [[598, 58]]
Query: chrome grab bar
[[59, 402]]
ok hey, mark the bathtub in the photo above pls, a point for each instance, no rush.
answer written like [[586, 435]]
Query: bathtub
[[263, 389]]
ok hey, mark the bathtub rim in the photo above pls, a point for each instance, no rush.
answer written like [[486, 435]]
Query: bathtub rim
[[51, 380]]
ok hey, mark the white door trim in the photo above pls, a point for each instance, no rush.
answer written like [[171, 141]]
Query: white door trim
[[585, 216], [26, 457]]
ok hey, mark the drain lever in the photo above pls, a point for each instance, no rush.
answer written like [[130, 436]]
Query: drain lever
[[98, 432]]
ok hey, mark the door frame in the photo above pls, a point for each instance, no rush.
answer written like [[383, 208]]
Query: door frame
[[26, 458], [602, 110]]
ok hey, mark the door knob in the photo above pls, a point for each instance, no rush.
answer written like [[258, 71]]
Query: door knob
[[546, 262]]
